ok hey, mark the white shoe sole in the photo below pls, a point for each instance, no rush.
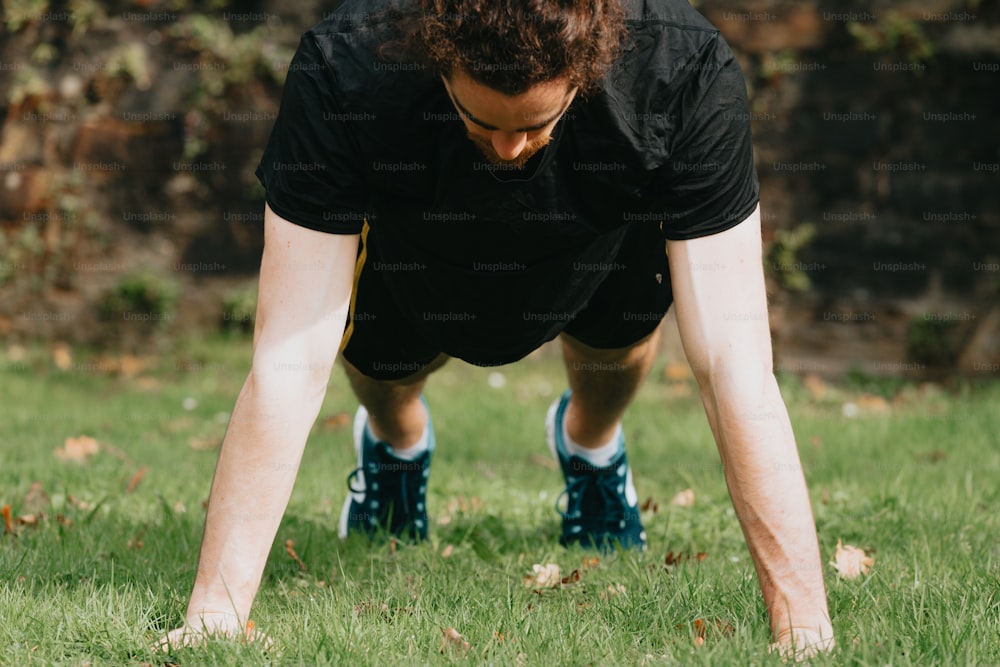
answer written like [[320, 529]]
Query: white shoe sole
[[360, 421]]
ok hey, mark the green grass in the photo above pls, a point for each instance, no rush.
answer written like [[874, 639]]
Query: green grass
[[101, 581]]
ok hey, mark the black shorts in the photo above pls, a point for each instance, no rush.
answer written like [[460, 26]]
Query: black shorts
[[385, 341]]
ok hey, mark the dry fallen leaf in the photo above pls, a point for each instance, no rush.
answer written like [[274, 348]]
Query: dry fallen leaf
[[677, 371], [290, 548], [933, 456], [850, 561], [136, 541], [648, 505], [81, 505], [873, 403], [815, 385], [136, 478], [573, 577], [78, 449], [37, 499], [447, 551], [708, 628], [130, 365], [545, 576], [7, 526], [459, 504], [613, 590], [202, 444], [672, 559], [62, 356], [368, 607], [451, 640], [337, 421], [683, 498], [17, 353]]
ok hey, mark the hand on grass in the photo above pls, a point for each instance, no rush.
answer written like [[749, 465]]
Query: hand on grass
[[194, 633], [798, 644]]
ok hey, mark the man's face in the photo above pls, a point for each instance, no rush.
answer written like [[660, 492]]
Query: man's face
[[509, 130]]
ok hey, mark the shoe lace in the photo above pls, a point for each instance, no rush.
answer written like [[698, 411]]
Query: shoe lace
[[396, 488], [351, 478], [603, 485]]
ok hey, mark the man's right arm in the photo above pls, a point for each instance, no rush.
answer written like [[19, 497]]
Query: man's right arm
[[306, 279]]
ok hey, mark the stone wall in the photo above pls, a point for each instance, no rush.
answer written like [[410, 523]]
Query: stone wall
[[129, 138], [876, 123]]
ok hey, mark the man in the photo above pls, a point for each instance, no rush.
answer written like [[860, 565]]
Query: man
[[464, 179]]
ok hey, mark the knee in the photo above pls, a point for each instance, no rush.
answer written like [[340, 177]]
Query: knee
[[359, 378], [626, 356]]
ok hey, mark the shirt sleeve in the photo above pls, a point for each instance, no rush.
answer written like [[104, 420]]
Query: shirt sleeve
[[709, 183], [310, 166]]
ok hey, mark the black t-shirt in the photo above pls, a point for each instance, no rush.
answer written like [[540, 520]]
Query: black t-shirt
[[664, 140]]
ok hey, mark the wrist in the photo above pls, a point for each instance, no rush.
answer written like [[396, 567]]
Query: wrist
[[807, 640], [208, 621]]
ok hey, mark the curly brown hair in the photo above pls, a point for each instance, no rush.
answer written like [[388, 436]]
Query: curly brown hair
[[512, 45]]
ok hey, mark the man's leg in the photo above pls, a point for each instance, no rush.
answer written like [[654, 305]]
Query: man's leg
[[394, 440], [604, 382], [395, 412], [584, 433]]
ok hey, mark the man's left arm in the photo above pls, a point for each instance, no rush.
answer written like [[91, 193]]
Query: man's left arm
[[721, 305]]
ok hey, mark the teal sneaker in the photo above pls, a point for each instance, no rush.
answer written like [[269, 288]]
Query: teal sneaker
[[601, 505], [388, 495]]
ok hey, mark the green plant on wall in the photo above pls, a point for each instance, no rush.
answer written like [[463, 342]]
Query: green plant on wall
[[239, 309], [140, 293], [43, 54], [29, 84], [83, 14], [19, 13], [773, 66], [783, 256], [197, 5], [894, 34], [932, 341], [130, 60], [21, 255], [222, 61]]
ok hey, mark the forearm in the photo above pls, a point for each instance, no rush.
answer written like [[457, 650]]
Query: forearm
[[253, 482], [769, 494]]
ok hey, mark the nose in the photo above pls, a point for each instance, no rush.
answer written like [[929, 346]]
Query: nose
[[509, 145]]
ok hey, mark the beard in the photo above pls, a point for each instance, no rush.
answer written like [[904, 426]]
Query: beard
[[530, 149]]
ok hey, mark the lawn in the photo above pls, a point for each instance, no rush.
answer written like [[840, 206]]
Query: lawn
[[102, 546]]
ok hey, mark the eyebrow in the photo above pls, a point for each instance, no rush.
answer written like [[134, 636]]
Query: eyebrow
[[487, 126]]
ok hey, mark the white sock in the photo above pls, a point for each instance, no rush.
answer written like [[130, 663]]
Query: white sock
[[599, 456], [414, 450]]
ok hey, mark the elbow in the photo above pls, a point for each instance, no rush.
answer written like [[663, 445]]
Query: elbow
[[735, 382], [290, 379]]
